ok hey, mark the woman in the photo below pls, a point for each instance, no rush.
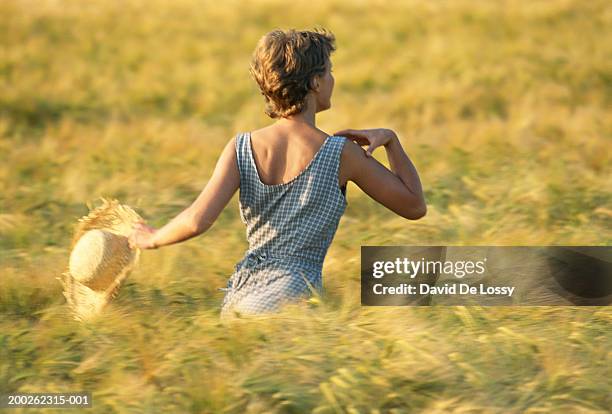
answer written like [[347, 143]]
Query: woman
[[292, 179]]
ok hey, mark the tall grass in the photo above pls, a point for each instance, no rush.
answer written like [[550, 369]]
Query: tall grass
[[503, 107]]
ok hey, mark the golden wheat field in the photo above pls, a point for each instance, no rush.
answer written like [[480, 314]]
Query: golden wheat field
[[503, 106]]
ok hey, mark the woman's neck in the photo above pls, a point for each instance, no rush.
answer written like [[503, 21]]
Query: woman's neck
[[306, 117]]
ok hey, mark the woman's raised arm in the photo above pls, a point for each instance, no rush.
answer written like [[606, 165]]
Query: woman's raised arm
[[399, 189]]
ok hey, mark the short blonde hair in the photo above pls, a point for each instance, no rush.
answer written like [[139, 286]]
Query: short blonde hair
[[284, 64]]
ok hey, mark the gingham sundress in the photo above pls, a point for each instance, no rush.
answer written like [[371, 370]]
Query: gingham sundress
[[289, 228]]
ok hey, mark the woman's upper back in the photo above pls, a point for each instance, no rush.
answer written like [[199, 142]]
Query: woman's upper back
[[294, 207], [281, 154]]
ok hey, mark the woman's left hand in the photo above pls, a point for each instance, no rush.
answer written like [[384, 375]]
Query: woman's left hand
[[374, 138], [142, 237]]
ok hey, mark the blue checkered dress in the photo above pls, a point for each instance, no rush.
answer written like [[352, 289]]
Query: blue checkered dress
[[289, 228]]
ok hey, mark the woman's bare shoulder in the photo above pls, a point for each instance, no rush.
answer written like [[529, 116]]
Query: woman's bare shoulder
[[352, 157]]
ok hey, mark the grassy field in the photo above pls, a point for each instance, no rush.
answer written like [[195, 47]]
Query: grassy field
[[504, 107]]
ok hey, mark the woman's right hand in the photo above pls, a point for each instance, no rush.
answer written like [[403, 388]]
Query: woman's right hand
[[373, 137], [142, 237]]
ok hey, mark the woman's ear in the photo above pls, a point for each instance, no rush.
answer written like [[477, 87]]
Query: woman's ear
[[314, 83]]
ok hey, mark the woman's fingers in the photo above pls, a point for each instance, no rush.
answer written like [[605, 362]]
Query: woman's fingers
[[140, 231], [354, 135], [360, 141], [344, 132], [362, 137], [371, 148], [141, 226], [132, 240]]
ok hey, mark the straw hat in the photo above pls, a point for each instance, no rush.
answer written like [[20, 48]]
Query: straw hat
[[100, 258]]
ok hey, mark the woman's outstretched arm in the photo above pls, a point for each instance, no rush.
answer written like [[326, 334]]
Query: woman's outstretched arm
[[202, 213]]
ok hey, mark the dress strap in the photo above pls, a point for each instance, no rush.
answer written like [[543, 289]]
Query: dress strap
[[242, 154], [330, 163]]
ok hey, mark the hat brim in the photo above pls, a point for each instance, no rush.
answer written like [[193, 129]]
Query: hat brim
[[113, 217]]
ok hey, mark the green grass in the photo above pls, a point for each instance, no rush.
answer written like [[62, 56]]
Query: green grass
[[503, 107]]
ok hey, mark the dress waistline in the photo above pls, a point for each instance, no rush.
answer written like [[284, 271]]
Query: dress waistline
[[252, 259]]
